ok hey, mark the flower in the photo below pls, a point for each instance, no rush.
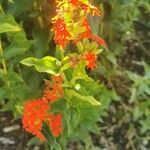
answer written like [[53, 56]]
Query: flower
[[56, 124], [90, 8], [88, 35], [61, 33], [35, 112], [74, 2], [57, 79], [98, 39], [90, 57], [53, 91]]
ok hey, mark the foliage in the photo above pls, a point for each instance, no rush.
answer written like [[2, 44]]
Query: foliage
[[115, 78]]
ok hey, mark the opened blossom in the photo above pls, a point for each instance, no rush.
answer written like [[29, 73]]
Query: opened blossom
[[90, 8], [74, 2], [90, 57], [56, 124], [35, 112], [88, 34], [54, 91], [62, 35]]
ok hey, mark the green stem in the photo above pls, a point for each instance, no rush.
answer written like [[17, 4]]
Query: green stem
[[5, 68], [3, 61]]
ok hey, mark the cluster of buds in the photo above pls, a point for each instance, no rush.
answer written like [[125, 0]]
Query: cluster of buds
[[53, 91], [36, 112], [71, 24]]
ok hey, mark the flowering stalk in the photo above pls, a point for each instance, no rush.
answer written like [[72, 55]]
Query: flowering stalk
[[70, 26]]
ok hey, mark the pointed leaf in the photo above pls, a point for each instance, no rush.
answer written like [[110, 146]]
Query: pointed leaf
[[47, 64], [89, 99]]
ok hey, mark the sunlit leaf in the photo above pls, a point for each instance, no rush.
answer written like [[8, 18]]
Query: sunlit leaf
[[47, 64], [89, 99]]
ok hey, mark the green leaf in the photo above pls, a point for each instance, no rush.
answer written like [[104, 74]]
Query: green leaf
[[19, 108], [79, 73], [2, 92], [47, 64], [19, 6], [6, 27], [19, 45], [89, 99], [41, 41], [47, 134], [13, 76], [34, 141], [8, 24]]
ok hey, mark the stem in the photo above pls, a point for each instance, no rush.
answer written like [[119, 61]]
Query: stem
[[5, 69], [3, 61]]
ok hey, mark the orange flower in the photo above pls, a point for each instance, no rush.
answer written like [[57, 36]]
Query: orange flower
[[88, 7], [57, 79], [54, 91], [56, 124], [98, 39], [90, 57], [88, 35], [74, 2], [61, 33], [35, 112]]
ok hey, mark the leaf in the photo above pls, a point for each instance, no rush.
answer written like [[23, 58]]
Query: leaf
[[147, 70], [79, 73], [2, 93], [19, 6], [41, 41], [19, 45], [19, 108], [47, 64], [89, 99], [34, 141], [47, 134], [8, 24], [6, 27], [13, 76], [3, 75]]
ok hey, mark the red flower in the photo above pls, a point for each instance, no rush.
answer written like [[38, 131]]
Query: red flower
[[88, 35], [98, 39], [90, 57], [57, 79], [74, 2], [61, 33], [35, 112], [53, 91], [88, 7], [56, 124]]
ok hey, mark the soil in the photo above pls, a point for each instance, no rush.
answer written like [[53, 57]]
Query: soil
[[12, 135]]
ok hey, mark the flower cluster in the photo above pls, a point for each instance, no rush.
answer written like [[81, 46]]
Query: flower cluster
[[61, 34], [37, 111], [56, 124], [71, 24], [90, 57], [53, 91]]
